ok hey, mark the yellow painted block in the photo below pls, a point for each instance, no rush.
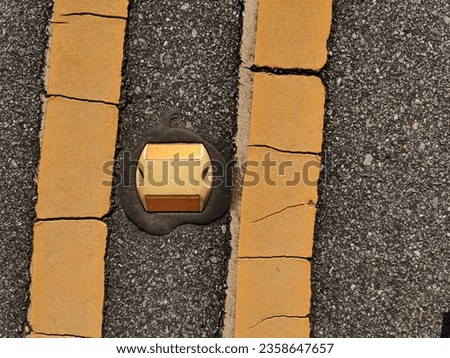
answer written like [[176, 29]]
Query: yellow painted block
[[67, 277], [268, 289], [288, 233], [288, 112], [275, 181], [293, 33], [86, 58], [78, 143]]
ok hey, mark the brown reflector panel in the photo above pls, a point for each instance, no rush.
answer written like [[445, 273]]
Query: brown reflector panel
[[173, 203]]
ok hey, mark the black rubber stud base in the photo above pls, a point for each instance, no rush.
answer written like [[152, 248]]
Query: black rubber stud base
[[164, 223]]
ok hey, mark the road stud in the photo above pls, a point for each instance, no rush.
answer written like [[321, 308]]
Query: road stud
[[174, 177]]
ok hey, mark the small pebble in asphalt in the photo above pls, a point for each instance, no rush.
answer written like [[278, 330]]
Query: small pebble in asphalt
[[368, 160]]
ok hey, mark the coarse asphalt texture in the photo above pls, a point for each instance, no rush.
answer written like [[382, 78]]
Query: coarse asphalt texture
[[185, 56], [381, 264], [23, 40]]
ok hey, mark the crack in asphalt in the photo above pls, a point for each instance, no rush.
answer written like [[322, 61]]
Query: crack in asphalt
[[316, 154], [96, 15], [285, 72], [84, 218], [59, 335], [277, 316], [309, 203], [274, 257], [112, 210], [52, 95]]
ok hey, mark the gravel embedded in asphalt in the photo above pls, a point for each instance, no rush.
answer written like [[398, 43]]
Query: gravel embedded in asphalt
[[179, 55], [381, 263], [23, 42]]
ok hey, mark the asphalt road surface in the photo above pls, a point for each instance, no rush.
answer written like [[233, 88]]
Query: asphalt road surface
[[381, 263], [381, 266], [179, 55], [23, 41]]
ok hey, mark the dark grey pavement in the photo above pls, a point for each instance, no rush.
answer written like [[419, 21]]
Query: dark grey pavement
[[179, 55], [381, 263], [382, 249], [23, 41]]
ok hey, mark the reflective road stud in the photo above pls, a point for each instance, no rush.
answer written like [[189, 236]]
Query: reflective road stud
[[174, 177], [170, 180]]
